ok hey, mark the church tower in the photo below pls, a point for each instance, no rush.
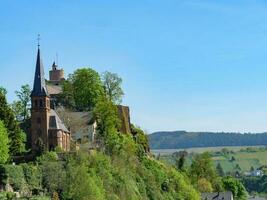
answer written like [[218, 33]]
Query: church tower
[[40, 110], [56, 75]]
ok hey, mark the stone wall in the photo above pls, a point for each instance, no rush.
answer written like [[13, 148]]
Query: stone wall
[[124, 115]]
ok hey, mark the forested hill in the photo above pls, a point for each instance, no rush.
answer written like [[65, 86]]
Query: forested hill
[[183, 139]]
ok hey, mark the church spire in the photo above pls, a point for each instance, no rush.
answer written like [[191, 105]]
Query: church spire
[[39, 86]]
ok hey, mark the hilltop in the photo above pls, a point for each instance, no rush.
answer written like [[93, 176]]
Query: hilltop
[[183, 139]]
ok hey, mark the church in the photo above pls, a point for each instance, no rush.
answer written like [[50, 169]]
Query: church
[[47, 129], [53, 125]]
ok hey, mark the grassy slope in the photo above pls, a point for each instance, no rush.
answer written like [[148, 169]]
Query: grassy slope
[[244, 159]]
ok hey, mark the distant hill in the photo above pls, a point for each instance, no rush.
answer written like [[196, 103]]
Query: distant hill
[[183, 139]]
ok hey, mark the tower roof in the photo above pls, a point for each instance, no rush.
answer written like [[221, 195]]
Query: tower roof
[[39, 86], [54, 66]]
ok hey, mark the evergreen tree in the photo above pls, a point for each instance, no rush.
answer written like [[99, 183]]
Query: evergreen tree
[[4, 152], [219, 170], [16, 136]]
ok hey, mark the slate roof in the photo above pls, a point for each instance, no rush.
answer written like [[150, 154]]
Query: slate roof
[[55, 122], [217, 196], [53, 89], [39, 86]]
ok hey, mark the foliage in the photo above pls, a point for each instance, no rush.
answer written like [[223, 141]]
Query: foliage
[[255, 184], [202, 167], [141, 138], [183, 139], [219, 170], [112, 86], [4, 144], [33, 176], [82, 185], [15, 177], [179, 158], [236, 187], [83, 89], [204, 185], [203, 173], [106, 114], [16, 136], [21, 108]]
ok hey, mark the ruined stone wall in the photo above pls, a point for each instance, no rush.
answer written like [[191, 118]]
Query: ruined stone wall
[[124, 116]]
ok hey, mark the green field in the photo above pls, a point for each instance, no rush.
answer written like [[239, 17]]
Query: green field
[[245, 157]]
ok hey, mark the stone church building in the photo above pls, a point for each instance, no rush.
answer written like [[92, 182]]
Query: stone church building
[[47, 129], [49, 119]]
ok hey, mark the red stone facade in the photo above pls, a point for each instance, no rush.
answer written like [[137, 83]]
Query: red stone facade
[[47, 129]]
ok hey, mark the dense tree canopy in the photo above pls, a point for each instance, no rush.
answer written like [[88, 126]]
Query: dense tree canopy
[[236, 187], [112, 86], [83, 89], [16, 136], [4, 144]]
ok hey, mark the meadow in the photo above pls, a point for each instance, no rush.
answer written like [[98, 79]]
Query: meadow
[[230, 157]]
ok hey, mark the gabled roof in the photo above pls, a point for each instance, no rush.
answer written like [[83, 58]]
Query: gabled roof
[[53, 89], [55, 122], [217, 196], [39, 86]]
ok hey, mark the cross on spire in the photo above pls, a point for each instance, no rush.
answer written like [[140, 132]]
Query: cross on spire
[[38, 39]]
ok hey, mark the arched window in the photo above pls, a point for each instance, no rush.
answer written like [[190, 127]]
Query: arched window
[[41, 103], [35, 103]]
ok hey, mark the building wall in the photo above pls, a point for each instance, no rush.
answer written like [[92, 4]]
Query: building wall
[[56, 75], [124, 115], [59, 138], [40, 113]]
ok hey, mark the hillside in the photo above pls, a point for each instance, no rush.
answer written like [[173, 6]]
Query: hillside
[[183, 139]]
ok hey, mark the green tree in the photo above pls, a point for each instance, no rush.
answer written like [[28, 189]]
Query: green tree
[[16, 136], [106, 114], [204, 185], [84, 87], [4, 147], [108, 124], [203, 167], [82, 185], [236, 187], [112, 86], [219, 170], [21, 107], [54, 182]]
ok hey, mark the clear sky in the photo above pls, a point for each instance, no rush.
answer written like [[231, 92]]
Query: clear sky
[[196, 65]]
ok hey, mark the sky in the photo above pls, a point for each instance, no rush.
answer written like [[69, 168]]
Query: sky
[[195, 65]]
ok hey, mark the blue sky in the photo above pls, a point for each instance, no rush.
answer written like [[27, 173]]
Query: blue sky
[[196, 65]]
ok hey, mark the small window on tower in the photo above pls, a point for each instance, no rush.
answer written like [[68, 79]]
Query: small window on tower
[[35, 103], [41, 103], [39, 120]]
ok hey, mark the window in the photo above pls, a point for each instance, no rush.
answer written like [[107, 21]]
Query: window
[[38, 120], [35, 103], [41, 103]]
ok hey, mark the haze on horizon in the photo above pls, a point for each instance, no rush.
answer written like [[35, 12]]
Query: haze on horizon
[[186, 65]]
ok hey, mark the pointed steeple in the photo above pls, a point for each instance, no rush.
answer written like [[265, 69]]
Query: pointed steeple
[[39, 86]]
